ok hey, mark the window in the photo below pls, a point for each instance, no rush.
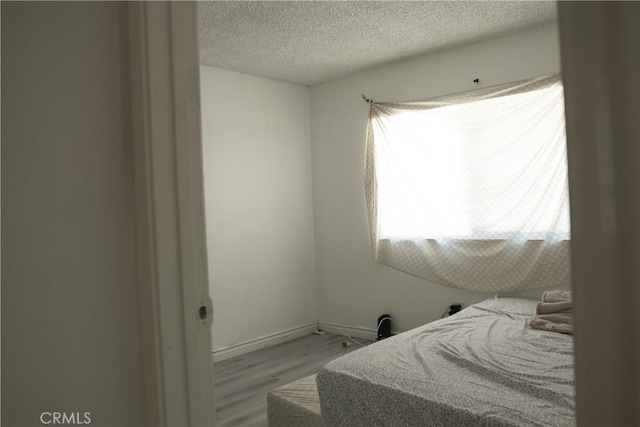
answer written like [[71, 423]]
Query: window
[[479, 170], [487, 167]]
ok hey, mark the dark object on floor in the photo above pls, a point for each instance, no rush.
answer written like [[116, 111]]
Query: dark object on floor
[[454, 308], [384, 327]]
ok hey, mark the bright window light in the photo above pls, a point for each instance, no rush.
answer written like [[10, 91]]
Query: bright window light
[[489, 169]]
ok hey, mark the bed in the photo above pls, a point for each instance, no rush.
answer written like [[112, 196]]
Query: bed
[[481, 367], [295, 405]]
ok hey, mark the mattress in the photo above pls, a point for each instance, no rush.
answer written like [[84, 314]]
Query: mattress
[[295, 404], [481, 367]]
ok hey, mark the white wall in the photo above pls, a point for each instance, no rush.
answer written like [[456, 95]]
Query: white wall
[[69, 299], [258, 204], [353, 290]]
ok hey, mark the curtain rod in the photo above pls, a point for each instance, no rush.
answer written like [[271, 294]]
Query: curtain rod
[[369, 100]]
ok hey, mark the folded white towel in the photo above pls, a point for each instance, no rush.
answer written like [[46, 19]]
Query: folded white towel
[[556, 322], [554, 313], [556, 296], [554, 307]]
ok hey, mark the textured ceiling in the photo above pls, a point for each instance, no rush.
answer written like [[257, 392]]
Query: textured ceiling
[[309, 42]]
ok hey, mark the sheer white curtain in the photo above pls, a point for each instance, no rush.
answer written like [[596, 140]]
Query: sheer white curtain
[[471, 190]]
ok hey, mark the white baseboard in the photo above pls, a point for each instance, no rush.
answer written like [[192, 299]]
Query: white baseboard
[[262, 342], [353, 331]]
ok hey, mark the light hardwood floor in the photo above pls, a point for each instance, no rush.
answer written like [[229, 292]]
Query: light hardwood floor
[[242, 383]]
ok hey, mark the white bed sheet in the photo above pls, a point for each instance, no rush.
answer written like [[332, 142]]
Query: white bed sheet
[[481, 367]]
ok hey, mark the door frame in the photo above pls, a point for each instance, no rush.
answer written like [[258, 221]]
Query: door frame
[[176, 310], [600, 66]]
